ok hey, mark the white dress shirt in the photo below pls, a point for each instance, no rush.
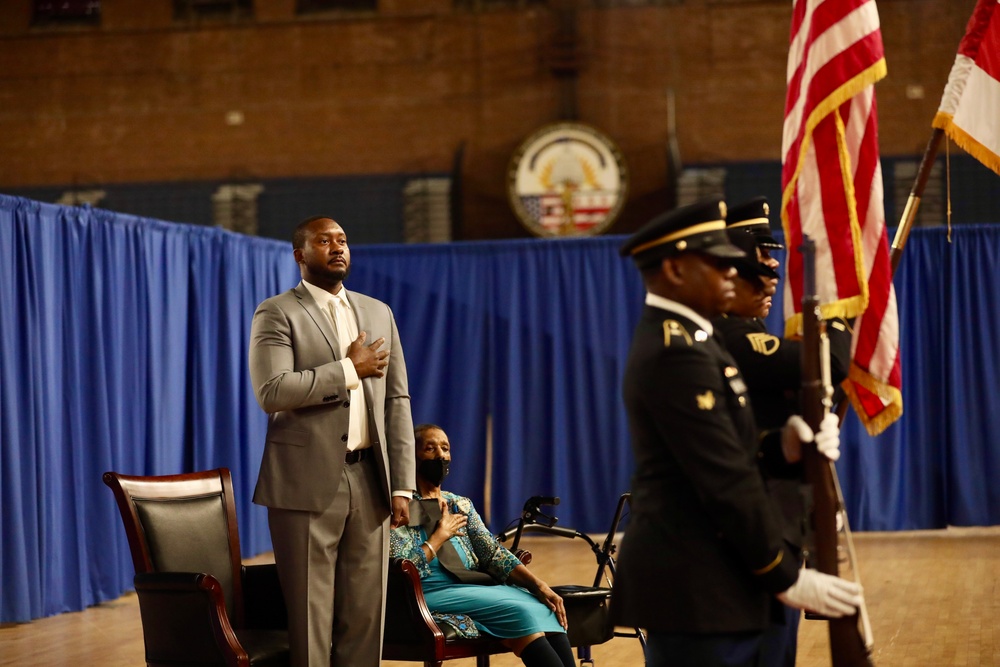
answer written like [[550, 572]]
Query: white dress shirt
[[345, 323]]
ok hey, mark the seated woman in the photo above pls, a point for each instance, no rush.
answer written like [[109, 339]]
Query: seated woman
[[527, 616]]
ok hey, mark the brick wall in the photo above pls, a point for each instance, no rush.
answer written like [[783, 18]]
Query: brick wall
[[144, 98]]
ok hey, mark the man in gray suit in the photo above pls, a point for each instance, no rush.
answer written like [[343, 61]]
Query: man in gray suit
[[338, 463]]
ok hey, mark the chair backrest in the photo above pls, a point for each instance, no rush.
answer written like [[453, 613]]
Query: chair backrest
[[183, 523]]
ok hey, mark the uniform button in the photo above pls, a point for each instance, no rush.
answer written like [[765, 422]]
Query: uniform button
[[347, 404], [343, 438], [743, 401]]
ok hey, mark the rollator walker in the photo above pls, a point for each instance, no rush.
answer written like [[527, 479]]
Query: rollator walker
[[586, 606]]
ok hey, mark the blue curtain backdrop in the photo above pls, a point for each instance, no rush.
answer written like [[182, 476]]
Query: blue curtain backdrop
[[123, 347]]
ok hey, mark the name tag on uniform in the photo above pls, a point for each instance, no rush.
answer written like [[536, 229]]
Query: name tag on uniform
[[735, 380]]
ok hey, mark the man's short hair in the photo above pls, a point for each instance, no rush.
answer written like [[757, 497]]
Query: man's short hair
[[420, 429], [299, 235]]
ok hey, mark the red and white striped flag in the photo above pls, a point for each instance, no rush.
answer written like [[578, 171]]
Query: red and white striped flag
[[969, 107], [832, 192]]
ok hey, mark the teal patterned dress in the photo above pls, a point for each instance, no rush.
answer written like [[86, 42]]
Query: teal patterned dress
[[504, 611]]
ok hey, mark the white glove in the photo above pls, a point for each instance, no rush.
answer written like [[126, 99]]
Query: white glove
[[797, 431], [823, 594], [828, 438]]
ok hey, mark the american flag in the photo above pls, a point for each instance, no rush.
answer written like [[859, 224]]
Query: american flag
[[589, 209], [832, 192]]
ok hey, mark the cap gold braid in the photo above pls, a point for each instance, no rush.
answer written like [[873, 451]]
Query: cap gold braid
[[700, 228], [751, 221]]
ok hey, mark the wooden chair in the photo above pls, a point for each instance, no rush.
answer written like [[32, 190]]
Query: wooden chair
[[411, 632], [199, 604]]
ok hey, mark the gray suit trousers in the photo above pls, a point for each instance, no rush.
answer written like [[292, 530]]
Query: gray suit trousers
[[339, 553]]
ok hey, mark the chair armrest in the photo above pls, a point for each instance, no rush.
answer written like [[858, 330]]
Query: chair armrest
[[263, 602], [173, 607], [407, 618]]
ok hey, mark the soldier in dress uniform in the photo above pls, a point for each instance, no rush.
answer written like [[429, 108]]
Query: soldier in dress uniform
[[770, 364], [772, 368], [704, 552]]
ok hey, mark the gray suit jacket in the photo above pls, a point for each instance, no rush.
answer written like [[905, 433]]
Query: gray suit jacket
[[300, 384]]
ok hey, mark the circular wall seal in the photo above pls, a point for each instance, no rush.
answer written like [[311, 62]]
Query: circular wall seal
[[567, 179]]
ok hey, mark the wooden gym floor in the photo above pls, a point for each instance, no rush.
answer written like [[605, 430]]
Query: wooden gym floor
[[933, 597]]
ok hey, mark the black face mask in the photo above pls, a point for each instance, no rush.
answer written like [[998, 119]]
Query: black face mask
[[433, 470]]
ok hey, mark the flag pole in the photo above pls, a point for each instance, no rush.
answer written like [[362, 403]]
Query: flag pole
[[913, 201]]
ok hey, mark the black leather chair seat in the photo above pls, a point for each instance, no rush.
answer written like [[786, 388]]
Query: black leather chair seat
[[266, 648], [450, 633]]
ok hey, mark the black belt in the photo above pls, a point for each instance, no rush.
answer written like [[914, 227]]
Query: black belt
[[355, 455]]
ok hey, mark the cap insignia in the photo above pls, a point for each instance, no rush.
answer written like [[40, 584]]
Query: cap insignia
[[767, 209], [722, 209]]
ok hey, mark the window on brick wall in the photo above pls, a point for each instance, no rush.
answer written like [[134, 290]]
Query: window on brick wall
[[638, 3], [696, 184], [193, 10], [427, 210], [490, 4], [234, 207], [61, 12], [79, 197], [312, 6]]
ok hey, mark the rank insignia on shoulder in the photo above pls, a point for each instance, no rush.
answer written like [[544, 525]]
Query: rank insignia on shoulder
[[706, 401], [731, 371], [674, 329], [763, 343]]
